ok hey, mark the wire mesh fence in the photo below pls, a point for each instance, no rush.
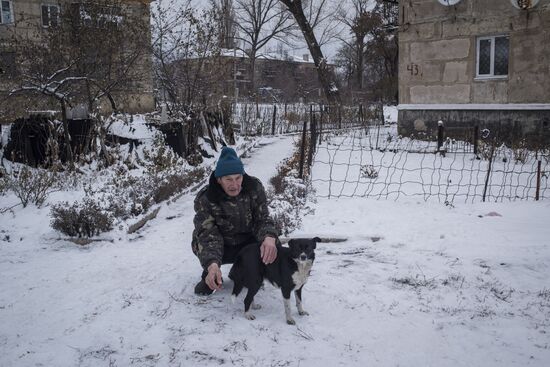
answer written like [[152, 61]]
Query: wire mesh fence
[[255, 119], [374, 162]]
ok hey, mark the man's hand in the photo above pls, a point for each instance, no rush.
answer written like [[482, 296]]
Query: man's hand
[[268, 250], [214, 278]]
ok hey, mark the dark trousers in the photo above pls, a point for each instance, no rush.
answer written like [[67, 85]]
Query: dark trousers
[[229, 256]]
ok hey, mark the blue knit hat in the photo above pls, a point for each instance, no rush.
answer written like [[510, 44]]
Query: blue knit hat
[[229, 163]]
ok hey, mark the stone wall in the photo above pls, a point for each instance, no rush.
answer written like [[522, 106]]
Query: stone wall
[[437, 52], [437, 66], [511, 127]]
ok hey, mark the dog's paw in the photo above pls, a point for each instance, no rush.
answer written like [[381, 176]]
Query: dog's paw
[[249, 316], [303, 313], [256, 306], [290, 321]]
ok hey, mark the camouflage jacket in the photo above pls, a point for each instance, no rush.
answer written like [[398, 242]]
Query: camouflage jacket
[[221, 220]]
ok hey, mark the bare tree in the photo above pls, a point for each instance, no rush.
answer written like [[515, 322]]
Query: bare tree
[[172, 32], [257, 23], [226, 21], [327, 77], [356, 19], [321, 16], [186, 49], [369, 57], [382, 50], [90, 55]]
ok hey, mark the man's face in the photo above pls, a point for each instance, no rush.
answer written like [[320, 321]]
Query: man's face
[[231, 184]]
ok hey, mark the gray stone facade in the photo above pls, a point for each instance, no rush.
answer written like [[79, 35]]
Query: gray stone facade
[[439, 73]]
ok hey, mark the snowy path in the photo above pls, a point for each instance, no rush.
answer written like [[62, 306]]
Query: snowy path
[[125, 303], [463, 286]]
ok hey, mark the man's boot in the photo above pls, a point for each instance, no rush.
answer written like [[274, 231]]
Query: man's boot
[[202, 289]]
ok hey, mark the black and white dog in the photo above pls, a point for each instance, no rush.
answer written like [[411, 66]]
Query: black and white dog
[[289, 272]]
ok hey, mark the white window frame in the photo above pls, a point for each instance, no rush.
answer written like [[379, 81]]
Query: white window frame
[[491, 74], [49, 6], [2, 20]]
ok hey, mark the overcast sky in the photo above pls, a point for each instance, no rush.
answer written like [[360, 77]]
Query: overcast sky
[[299, 48]]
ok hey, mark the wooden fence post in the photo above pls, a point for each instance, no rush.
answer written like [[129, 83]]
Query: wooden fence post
[[273, 122], [340, 116], [440, 132], [476, 138], [320, 133], [302, 150], [488, 173], [539, 172], [313, 138]]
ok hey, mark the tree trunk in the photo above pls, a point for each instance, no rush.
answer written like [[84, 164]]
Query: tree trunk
[[326, 75], [360, 61], [252, 73], [68, 149]]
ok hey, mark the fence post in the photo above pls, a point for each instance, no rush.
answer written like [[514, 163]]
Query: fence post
[[377, 135], [539, 172], [273, 122], [303, 147], [440, 132], [312, 139], [488, 173], [476, 138], [340, 117], [320, 133]]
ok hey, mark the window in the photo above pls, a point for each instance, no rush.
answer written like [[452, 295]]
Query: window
[[6, 12], [50, 15], [492, 57]]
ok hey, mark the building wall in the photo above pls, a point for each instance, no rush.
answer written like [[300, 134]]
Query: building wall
[[437, 55], [28, 25], [276, 80], [437, 59]]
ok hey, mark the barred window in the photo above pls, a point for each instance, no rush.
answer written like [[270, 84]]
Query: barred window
[[50, 15], [492, 57], [6, 12]]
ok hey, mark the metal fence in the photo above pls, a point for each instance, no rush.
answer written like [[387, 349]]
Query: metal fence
[[265, 119], [374, 161]]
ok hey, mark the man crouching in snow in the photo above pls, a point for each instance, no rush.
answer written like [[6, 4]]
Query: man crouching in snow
[[230, 213]]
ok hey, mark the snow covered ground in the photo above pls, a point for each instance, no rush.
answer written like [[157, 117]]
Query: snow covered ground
[[415, 284]]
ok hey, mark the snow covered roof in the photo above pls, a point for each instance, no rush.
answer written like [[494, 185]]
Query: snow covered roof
[[306, 58]]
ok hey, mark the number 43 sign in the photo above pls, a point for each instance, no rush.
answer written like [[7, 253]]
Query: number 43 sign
[[413, 69]]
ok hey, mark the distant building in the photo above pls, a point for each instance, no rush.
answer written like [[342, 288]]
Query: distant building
[[475, 62], [31, 19], [279, 77]]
